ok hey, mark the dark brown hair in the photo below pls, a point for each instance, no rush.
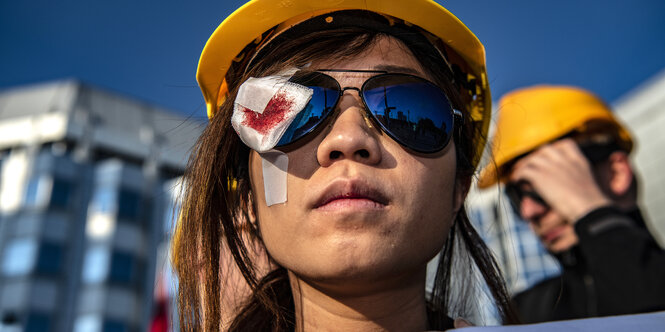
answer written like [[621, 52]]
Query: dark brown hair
[[217, 194]]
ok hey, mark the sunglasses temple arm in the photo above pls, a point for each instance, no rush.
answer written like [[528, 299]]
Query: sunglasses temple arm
[[458, 114]]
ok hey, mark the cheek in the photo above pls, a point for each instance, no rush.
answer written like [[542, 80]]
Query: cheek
[[263, 212], [431, 200], [279, 222], [433, 178], [267, 217]]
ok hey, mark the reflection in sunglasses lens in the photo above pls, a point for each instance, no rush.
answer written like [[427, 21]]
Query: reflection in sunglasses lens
[[323, 101], [415, 112]]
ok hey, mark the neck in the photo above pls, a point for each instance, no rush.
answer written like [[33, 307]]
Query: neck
[[397, 305]]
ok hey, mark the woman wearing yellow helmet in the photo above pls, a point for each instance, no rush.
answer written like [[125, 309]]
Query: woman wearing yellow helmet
[[342, 141]]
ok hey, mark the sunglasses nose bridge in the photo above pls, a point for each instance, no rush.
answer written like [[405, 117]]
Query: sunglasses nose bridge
[[342, 93], [350, 88], [366, 113]]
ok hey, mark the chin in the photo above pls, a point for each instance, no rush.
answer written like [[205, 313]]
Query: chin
[[343, 274], [361, 276], [359, 264], [561, 245]]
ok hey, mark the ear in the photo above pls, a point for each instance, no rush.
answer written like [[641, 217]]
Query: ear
[[621, 173]]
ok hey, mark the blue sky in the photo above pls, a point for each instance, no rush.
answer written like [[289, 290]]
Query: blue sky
[[149, 49]]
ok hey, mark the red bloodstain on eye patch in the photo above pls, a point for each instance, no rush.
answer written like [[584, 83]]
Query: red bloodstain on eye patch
[[273, 114]]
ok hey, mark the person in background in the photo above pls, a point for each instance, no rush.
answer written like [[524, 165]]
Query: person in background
[[564, 161]]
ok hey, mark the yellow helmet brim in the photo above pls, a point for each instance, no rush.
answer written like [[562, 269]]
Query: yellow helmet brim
[[531, 117]]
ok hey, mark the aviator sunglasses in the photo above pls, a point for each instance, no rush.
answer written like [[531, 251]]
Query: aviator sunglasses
[[517, 191], [411, 110]]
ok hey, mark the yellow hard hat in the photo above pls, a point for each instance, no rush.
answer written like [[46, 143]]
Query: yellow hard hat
[[246, 30], [531, 117]]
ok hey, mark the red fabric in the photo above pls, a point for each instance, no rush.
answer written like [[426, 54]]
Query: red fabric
[[160, 323]]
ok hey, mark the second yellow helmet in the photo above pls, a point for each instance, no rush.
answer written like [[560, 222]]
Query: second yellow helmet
[[533, 116]]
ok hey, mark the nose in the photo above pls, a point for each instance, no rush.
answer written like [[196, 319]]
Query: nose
[[532, 210], [352, 137]]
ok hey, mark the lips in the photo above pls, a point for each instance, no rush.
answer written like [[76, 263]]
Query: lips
[[553, 234], [357, 193]]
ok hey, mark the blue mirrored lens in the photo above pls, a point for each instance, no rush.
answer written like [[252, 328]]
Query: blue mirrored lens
[[413, 111], [322, 103]]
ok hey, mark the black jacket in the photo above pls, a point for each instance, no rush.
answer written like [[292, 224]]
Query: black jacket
[[616, 268]]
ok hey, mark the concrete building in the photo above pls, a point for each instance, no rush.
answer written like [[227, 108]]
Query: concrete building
[[84, 198], [643, 111]]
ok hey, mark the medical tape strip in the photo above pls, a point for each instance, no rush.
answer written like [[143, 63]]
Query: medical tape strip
[[275, 165], [264, 108]]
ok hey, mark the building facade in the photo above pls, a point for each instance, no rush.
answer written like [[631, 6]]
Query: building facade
[[643, 111], [86, 180]]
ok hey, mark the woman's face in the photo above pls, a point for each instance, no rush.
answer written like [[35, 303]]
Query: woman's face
[[359, 205]]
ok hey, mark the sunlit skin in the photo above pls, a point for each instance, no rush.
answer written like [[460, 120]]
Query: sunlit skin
[[363, 215], [563, 177], [556, 233]]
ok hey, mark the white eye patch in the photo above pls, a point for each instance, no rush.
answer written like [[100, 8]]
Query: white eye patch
[[264, 109]]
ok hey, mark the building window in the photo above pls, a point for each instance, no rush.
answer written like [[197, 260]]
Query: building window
[[35, 192], [37, 322], [104, 199], [61, 193], [96, 265], [88, 323], [129, 204], [115, 326], [10, 320], [19, 257], [123, 268], [50, 258]]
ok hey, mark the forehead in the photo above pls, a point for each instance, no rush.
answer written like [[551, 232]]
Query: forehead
[[385, 53]]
